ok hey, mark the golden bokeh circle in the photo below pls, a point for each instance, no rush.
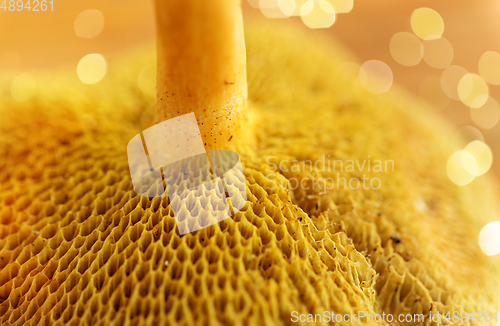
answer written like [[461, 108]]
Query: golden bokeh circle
[[427, 23], [406, 49]]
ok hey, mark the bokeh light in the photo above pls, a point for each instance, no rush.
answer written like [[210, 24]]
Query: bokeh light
[[458, 167], [473, 90], [375, 76], [489, 67], [487, 116], [482, 155], [89, 23], [23, 87], [317, 14], [277, 8], [298, 5], [427, 23], [287, 7], [449, 81], [314, 13], [254, 3], [91, 68], [420, 205], [342, 6], [430, 92], [438, 53], [406, 49], [489, 238], [465, 135], [147, 80]]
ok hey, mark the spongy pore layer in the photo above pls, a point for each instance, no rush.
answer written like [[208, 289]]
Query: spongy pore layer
[[78, 246]]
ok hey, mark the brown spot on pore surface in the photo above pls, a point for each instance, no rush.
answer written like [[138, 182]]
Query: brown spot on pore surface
[[395, 239]]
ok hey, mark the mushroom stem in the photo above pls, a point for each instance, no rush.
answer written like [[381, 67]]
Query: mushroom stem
[[202, 66]]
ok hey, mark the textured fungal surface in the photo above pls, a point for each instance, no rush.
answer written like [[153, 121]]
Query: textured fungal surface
[[78, 246]]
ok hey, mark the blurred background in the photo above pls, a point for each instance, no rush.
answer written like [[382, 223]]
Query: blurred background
[[444, 52]]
